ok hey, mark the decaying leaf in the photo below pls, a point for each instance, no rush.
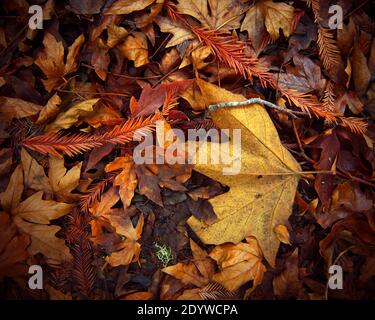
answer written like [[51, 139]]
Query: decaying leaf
[[135, 48], [197, 272], [11, 197], [275, 16], [33, 216], [180, 33], [238, 264], [63, 181], [70, 117], [222, 15], [33, 173], [17, 108], [51, 60], [126, 7], [129, 249], [13, 248], [126, 180]]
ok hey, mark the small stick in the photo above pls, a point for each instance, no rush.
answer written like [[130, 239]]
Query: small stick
[[266, 103]]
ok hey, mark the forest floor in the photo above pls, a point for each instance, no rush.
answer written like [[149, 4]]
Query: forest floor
[[99, 103]]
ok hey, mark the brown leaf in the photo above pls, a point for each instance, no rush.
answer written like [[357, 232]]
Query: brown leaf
[[13, 247], [129, 248], [224, 15], [43, 240], [126, 180], [135, 48], [17, 108], [179, 31], [11, 197], [287, 284], [34, 175], [148, 184], [361, 72], [126, 7], [238, 264], [35, 209], [51, 60], [197, 272]]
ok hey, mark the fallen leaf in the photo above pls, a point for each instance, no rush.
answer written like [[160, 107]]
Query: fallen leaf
[[10, 198], [224, 15], [148, 184], [129, 248], [262, 193], [180, 33], [33, 217], [107, 201], [238, 264], [273, 15], [85, 7], [55, 294], [35, 209], [135, 48], [17, 108], [115, 35], [33, 173], [142, 295], [43, 240], [51, 60], [287, 284], [152, 99], [253, 23], [50, 109], [126, 6], [126, 180], [197, 272], [278, 16], [70, 117], [282, 234], [361, 72], [13, 247], [63, 181]]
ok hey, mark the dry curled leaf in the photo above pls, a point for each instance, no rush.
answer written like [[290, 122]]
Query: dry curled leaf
[[198, 272], [129, 249], [51, 60], [135, 48], [238, 264]]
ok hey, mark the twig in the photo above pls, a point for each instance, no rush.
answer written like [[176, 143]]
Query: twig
[[266, 103]]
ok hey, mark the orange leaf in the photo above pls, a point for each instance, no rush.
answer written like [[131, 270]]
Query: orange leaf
[[198, 272], [238, 264]]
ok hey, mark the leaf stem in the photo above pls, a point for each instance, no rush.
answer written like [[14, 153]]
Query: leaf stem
[[214, 107]]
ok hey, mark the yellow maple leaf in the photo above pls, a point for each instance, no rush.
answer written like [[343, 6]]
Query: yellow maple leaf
[[262, 193]]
